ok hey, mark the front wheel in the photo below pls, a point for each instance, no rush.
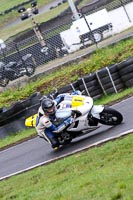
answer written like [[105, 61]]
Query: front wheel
[[110, 117], [30, 69]]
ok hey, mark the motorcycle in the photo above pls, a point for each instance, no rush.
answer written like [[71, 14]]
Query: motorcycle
[[75, 106], [14, 70]]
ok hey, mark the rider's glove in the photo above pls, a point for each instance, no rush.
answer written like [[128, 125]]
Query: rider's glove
[[61, 127], [59, 99], [68, 121], [76, 92]]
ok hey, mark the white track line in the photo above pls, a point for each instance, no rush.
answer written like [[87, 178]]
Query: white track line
[[68, 154]]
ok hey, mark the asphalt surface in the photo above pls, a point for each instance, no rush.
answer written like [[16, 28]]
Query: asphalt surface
[[36, 152]]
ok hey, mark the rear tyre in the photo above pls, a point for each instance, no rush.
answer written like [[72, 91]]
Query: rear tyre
[[110, 117]]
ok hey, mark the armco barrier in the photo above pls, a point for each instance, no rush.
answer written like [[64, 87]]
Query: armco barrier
[[17, 110], [110, 79], [90, 85]]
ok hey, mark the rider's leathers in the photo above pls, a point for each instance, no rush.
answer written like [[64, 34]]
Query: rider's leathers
[[45, 124]]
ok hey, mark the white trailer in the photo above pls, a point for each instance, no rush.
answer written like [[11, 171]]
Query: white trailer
[[86, 30]]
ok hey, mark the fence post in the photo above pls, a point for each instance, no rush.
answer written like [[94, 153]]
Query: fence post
[[125, 11]]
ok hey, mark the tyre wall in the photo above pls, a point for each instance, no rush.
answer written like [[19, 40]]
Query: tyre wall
[[108, 80]]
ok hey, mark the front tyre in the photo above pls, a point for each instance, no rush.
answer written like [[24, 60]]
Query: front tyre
[[110, 117]]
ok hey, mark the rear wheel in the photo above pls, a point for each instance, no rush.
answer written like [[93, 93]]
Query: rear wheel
[[110, 117]]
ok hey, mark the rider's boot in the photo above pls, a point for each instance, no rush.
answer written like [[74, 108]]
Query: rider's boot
[[54, 143], [52, 139]]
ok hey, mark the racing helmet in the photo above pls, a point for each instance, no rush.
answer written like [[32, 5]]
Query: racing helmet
[[48, 106]]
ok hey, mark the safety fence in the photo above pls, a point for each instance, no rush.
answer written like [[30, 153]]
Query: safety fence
[[64, 35], [109, 80]]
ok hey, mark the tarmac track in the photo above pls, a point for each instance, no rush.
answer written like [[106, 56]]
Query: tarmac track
[[37, 152]]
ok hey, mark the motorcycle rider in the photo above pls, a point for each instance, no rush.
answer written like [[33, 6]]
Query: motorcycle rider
[[45, 125]]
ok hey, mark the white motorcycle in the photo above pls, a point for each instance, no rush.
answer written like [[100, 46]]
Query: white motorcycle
[[85, 116]]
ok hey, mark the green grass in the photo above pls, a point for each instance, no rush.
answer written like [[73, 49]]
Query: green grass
[[68, 74], [110, 99], [100, 173], [14, 14], [18, 137], [11, 3], [25, 25], [10, 32]]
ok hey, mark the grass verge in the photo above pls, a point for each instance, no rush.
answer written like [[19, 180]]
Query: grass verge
[[68, 74], [104, 172], [16, 138]]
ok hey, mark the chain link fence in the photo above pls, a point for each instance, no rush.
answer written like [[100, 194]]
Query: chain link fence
[[62, 36]]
